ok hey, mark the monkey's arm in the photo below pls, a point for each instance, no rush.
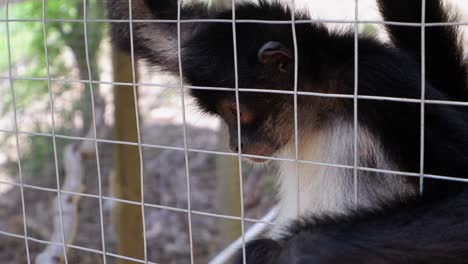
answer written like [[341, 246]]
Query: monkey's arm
[[153, 29], [446, 70], [419, 232]]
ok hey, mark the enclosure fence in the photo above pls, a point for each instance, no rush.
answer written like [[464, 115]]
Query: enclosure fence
[[54, 135]]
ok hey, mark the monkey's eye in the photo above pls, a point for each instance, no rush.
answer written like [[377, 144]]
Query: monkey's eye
[[233, 109], [227, 109], [246, 117]]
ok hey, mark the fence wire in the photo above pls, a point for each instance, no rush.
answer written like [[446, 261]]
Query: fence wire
[[182, 87]]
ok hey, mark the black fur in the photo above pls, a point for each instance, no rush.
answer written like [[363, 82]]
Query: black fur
[[445, 66], [414, 231], [428, 229]]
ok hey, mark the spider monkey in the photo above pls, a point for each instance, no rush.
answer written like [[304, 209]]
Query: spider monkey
[[389, 222]]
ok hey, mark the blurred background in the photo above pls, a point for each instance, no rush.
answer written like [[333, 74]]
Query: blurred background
[[61, 77]]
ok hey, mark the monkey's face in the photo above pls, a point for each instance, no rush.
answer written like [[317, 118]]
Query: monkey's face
[[266, 119], [266, 123]]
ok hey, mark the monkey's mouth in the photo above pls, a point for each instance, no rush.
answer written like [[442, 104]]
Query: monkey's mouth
[[257, 160], [264, 151]]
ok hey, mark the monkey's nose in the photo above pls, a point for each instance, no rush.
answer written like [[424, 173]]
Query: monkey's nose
[[236, 148]]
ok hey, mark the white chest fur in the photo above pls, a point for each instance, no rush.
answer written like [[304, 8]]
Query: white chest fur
[[317, 189]]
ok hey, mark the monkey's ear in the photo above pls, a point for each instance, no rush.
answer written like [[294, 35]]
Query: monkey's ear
[[274, 52]]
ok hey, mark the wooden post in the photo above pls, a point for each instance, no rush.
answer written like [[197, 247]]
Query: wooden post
[[228, 192], [125, 181]]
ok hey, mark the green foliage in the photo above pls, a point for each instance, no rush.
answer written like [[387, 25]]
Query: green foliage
[[27, 42], [39, 150], [64, 29]]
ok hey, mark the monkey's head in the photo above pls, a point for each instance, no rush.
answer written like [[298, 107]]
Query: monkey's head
[[265, 61]]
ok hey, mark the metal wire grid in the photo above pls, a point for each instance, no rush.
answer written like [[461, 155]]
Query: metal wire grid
[[52, 118], [355, 100], [137, 120], [276, 22], [355, 96], [423, 94], [239, 142]]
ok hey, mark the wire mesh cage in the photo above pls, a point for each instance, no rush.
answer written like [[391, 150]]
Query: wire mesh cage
[[105, 159]]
